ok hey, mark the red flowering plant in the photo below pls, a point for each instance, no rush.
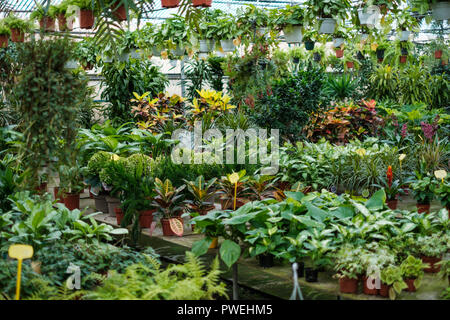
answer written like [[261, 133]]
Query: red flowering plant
[[344, 122], [391, 187]]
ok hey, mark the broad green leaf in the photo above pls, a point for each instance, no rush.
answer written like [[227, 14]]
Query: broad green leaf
[[230, 252]]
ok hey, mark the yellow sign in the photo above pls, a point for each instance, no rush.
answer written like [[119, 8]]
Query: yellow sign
[[20, 252]]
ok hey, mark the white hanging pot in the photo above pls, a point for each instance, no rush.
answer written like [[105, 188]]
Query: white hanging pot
[[294, 35], [227, 45], [368, 16], [404, 35], [337, 42], [203, 55], [211, 44], [441, 10], [220, 54], [203, 46], [179, 51], [156, 52], [328, 25], [71, 64]]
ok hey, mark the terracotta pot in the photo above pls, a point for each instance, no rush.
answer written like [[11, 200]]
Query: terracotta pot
[[170, 3], [350, 64], [86, 19], [72, 201], [410, 283], [384, 290], [432, 261], [17, 35], [403, 59], [214, 243], [3, 41], [88, 66], [119, 215], [47, 23], [91, 195], [339, 53], [366, 289], [421, 208], [438, 54], [146, 218], [347, 285], [392, 204], [101, 204], [60, 198], [62, 23], [167, 232], [112, 203], [202, 3], [120, 13], [42, 188]]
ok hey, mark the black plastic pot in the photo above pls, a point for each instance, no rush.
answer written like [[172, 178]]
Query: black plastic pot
[[309, 45], [296, 60], [360, 56], [380, 53], [311, 275], [317, 57], [265, 260], [301, 269]]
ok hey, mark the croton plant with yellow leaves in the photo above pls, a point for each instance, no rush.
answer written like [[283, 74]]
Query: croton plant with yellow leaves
[[211, 102]]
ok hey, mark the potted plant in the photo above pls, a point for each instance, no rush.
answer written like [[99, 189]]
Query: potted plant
[[266, 242], [391, 188], [95, 164], [349, 59], [118, 9], [86, 53], [406, 24], [309, 38], [442, 191], [261, 187], [423, 188], [5, 32], [290, 20], [339, 37], [444, 272], [168, 202], [317, 250], [225, 30], [374, 259], [327, 13], [348, 265], [170, 3], [62, 13], [413, 271], [18, 27], [231, 188], [381, 50], [71, 184], [202, 193], [392, 282], [253, 21], [440, 8], [176, 35], [297, 54], [86, 13], [431, 249], [46, 18]]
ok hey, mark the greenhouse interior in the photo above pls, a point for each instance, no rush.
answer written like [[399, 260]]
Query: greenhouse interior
[[225, 150]]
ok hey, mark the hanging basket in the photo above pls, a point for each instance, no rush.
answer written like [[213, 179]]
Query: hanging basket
[[202, 3], [227, 45], [337, 42], [294, 35], [328, 25], [438, 54], [86, 19], [404, 35], [120, 13], [17, 35], [368, 16], [3, 41], [441, 10], [47, 23], [339, 53], [309, 45], [170, 3]]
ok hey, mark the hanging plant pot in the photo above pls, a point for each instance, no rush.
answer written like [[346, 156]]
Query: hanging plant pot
[[266, 260], [392, 204], [3, 41], [404, 35], [203, 46], [62, 23], [337, 42], [17, 35], [156, 52], [317, 57], [112, 204], [441, 10], [294, 35], [360, 56], [423, 208], [347, 285], [328, 25], [403, 59], [167, 231], [227, 45], [368, 16], [404, 51], [72, 201], [311, 275], [437, 53], [179, 51], [134, 54], [432, 262], [202, 3], [47, 24], [170, 3], [296, 60], [364, 36], [339, 53], [146, 218], [100, 203], [380, 54], [309, 45], [119, 215], [87, 66], [86, 19], [119, 13], [350, 64]]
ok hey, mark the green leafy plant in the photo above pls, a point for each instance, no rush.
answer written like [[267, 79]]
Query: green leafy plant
[[168, 200], [13, 22], [412, 268], [393, 277], [202, 191]]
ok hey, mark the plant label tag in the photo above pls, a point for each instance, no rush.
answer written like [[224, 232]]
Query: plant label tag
[[176, 226], [152, 228]]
